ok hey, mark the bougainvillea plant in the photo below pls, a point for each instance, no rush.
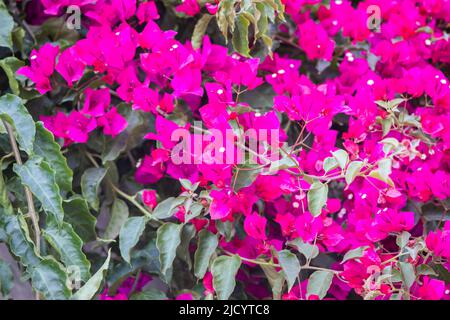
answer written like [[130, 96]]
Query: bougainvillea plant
[[225, 149]]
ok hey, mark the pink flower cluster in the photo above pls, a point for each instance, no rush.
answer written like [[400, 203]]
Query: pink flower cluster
[[153, 72]]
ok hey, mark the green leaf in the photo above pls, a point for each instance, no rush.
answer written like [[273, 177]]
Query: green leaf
[[129, 235], [425, 270], [225, 17], [354, 253], [403, 239], [310, 251], [138, 126], [383, 171], [76, 212], [149, 294], [194, 211], [317, 198], [244, 177], [165, 209], [341, 157], [13, 111], [119, 214], [386, 125], [6, 279], [329, 164], [91, 287], [50, 280], [167, 241], [40, 178], [18, 238], [10, 65], [69, 246], [207, 244], [7, 23], [224, 270], [46, 147], [283, 163], [408, 274], [187, 233], [200, 30], [319, 283], [90, 183], [290, 265], [240, 35], [276, 280], [353, 170]]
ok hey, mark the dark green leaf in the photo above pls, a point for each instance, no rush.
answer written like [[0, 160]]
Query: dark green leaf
[[119, 214], [40, 178], [129, 235], [10, 65], [18, 238], [7, 26], [69, 246], [91, 287], [46, 147], [187, 233], [200, 30], [149, 294], [13, 111], [310, 251], [90, 182], [240, 35], [354, 253], [224, 270], [207, 244], [167, 208], [167, 241], [50, 280], [76, 212], [6, 279]]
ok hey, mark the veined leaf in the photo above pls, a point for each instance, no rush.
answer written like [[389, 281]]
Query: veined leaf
[[50, 280], [165, 209], [91, 287], [46, 147], [76, 212], [10, 65], [40, 178], [69, 246], [129, 235], [119, 214], [354, 253], [353, 170], [290, 265], [240, 35], [200, 30], [187, 233], [317, 197], [6, 279], [13, 111], [224, 270], [168, 238], [319, 283], [341, 157], [18, 238], [207, 244], [310, 251], [7, 23], [90, 183]]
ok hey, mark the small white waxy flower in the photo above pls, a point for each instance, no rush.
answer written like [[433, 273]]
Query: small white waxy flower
[[370, 82], [295, 204]]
